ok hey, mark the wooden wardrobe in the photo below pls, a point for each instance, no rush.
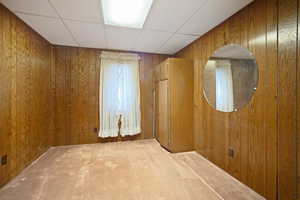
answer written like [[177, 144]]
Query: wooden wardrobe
[[174, 93]]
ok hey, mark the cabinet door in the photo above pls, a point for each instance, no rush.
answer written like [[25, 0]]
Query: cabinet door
[[164, 71], [157, 73], [156, 110], [163, 113]]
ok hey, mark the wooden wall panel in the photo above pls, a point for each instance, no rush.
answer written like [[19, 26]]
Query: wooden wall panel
[[272, 86], [298, 106], [5, 94], [258, 115], [287, 98], [77, 84], [263, 133], [25, 97]]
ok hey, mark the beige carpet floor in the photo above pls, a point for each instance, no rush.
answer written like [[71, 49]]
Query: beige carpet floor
[[135, 170]]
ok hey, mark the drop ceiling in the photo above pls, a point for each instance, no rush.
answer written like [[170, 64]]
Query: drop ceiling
[[170, 26]]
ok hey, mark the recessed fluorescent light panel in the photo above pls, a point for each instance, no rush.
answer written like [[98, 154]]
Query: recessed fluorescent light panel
[[126, 13]]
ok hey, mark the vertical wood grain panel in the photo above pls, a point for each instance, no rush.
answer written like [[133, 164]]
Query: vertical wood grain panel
[[272, 85], [60, 113], [244, 113], [220, 119], [74, 101], [67, 95], [93, 97], [257, 108], [146, 80], [235, 127], [13, 140], [5, 93], [34, 94], [287, 49], [77, 85], [252, 131], [24, 92], [298, 105], [1, 65], [52, 125]]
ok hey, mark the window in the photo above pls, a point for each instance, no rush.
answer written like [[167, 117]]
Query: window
[[119, 94]]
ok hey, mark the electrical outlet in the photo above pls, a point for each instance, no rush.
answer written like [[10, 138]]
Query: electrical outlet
[[4, 160], [231, 152]]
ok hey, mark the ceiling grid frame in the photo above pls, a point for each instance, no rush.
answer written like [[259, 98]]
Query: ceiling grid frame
[[62, 20], [183, 25], [152, 38]]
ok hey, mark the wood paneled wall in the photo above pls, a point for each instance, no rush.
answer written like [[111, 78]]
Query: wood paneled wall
[[287, 99], [77, 83], [298, 106], [49, 95], [263, 133], [26, 125]]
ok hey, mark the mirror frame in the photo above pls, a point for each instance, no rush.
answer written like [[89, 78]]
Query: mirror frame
[[254, 89]]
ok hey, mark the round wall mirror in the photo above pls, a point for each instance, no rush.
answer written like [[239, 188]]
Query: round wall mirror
[[230, 78]]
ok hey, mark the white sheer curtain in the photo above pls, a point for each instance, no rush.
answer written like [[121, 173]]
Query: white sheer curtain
[[224, 86], [119, 94]]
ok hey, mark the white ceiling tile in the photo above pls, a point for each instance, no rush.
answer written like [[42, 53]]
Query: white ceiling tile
[[170, 15], [50, 28], [121, 38], [212, 14], [82, 10], [87, 34], [151, 41], [183, 18], [176, 43], [37, 7]]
